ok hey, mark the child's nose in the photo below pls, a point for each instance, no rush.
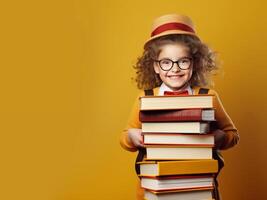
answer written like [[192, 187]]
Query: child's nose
[[175, 67]]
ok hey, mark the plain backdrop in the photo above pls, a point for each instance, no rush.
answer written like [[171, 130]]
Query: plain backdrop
[[66, 92]]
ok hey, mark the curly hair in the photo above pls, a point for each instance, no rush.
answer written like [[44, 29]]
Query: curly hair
[[203, 59]]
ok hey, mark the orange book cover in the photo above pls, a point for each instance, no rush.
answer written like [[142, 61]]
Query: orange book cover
[[181, 167]]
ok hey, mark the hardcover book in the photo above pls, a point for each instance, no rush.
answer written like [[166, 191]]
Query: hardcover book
[[175, 127], [181, 167], [176, 102], [179, 139], [175, 152], [179, 195], [177, 115], [177, 182]]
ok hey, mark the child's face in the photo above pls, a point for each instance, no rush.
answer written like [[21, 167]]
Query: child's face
[[175, 78]]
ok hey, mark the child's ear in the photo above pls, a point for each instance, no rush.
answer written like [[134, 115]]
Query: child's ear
[[156, 68]]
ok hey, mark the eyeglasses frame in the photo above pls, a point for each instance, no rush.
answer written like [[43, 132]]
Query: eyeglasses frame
[[173, 62]]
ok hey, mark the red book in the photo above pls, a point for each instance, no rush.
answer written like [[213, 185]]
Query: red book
[[177, 115]]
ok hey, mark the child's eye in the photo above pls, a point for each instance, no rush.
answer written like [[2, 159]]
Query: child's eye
[[184, 60], [166, 62]]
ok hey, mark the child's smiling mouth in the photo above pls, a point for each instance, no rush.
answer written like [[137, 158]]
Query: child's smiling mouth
[[175, 76]]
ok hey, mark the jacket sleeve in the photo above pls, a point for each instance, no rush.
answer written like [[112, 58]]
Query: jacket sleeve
[[225, 123], [133, 122]]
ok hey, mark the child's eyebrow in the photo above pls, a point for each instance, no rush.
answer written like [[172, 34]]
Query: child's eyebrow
[[177, 58]]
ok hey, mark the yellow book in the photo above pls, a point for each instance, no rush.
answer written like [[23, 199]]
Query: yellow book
[[181, 167]]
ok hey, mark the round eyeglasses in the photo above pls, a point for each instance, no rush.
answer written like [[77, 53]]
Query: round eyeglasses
[[183, 63]]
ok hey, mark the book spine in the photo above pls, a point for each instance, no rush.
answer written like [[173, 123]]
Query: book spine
[[171, 115]]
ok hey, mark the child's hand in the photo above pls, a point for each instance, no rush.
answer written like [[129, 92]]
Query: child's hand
[[219, 136], [135, 136]]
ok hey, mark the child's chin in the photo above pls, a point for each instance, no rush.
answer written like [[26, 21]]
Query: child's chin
[[176, 87]]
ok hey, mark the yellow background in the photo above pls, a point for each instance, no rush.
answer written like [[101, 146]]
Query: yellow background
[[66, 92]]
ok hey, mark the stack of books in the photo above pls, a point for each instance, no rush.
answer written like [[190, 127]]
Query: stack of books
[[179, 163]]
